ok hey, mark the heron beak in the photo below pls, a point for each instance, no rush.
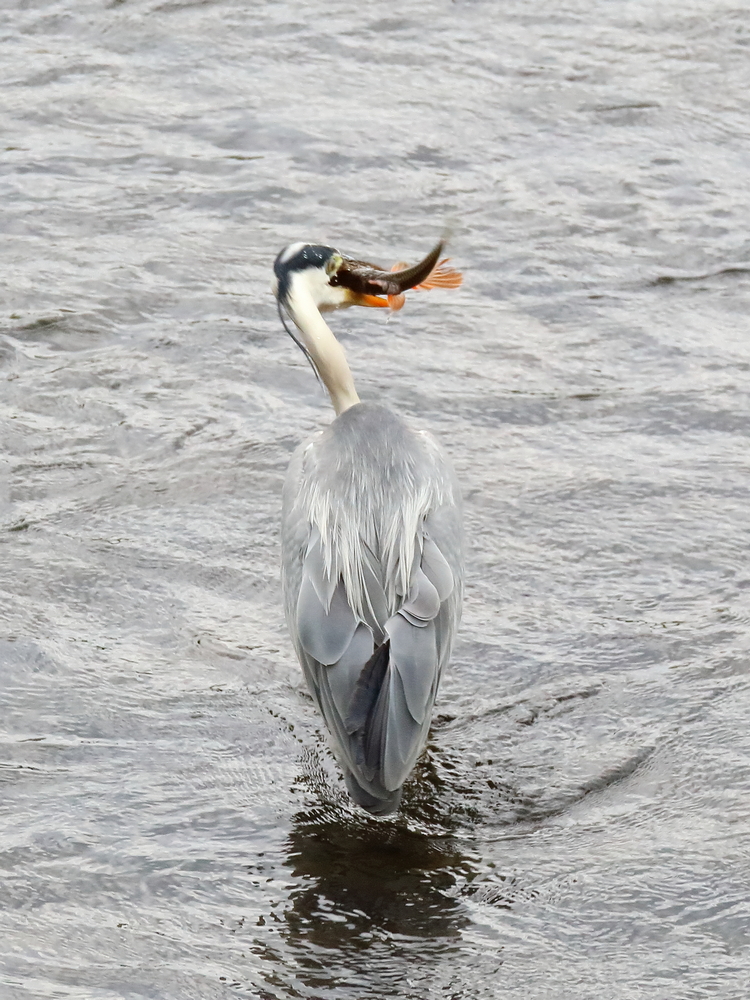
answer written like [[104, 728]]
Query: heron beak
[[374, 301]]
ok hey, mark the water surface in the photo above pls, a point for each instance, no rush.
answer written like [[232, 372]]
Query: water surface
[[172, 824]]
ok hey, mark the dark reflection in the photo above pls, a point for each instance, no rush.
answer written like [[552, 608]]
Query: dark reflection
[[388, 876], [375, 898], [380, 907], [375, 877]]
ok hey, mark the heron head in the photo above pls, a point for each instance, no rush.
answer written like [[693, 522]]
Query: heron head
[[336, 281], [310, 267]]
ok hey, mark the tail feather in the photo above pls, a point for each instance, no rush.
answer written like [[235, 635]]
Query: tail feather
[[367, 721], [378, 806], [368, 689]]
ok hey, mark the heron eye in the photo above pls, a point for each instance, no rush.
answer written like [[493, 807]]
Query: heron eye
[[333, 264]]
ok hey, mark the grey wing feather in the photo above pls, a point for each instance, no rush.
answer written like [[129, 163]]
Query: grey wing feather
[[375, 605], [404, 742], [345, 673], [414, 655], [436, 568], [423, 602], [315, 567], [324, 635]]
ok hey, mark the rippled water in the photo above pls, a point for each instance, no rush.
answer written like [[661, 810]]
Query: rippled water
[[171, 822]]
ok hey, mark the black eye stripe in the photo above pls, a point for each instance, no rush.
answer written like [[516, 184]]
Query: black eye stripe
[[308, 256]]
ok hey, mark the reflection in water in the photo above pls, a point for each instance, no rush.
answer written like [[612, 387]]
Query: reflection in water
[[375, 878], [372, 893]]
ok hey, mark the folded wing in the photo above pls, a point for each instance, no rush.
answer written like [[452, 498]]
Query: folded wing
[[375, 677]]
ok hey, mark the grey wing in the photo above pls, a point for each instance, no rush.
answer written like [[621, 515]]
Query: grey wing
[[374, 677], [421, 637]]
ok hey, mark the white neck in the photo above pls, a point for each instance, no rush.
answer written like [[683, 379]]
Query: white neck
[[325, 350]]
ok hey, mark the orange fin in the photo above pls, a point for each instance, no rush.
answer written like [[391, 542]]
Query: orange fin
[[442, 276], [396, 302]]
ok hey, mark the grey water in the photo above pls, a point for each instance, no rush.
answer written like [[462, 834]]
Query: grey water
[[172, 824]]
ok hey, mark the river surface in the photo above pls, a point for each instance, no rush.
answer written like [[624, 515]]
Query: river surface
[[172, 824]]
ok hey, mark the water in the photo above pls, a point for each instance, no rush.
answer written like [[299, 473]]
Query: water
[[171, 822]]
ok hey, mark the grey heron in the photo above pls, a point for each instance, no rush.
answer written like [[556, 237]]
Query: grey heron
[[371, 537]]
